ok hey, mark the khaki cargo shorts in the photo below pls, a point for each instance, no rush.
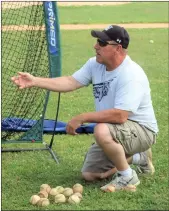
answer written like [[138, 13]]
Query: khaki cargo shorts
[[133, 137]]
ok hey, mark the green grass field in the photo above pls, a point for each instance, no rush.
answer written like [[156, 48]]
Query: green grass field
[[23, 173], [136, 12]]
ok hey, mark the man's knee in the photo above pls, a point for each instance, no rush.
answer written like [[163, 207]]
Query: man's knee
[[102, 133], [88, 176]]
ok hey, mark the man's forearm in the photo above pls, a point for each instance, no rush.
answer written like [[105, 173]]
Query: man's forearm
[[105, 116], [60, 84]]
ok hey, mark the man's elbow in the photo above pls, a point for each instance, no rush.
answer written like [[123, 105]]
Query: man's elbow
[[123, 118], [74, 84]]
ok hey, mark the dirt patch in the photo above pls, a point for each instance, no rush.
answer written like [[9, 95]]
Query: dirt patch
[[102, 26], [85, 26]]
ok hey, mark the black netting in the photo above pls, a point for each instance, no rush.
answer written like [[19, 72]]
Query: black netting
[[24, 49]]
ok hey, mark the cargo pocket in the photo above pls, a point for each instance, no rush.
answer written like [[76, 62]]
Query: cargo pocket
[[138, 143], [125, 139]]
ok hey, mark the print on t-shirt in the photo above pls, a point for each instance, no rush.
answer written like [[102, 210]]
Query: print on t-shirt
[[100, 90]]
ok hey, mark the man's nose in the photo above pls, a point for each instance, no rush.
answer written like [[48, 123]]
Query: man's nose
[[96, 46]]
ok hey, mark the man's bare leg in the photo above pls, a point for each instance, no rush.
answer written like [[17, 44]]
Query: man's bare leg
[[89, 176], [112, 171]]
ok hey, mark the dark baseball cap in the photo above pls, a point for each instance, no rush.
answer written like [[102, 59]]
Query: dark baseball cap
[[113, 33]]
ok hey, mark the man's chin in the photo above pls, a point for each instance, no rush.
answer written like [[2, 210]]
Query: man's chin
[[99, 60]]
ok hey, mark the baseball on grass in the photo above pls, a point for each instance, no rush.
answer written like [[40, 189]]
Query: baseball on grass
[[43, 194], [34, 199], [45, 187], [74, 199], [78, 188], [130, 187], [53, 192], [151, 41], [110, 188], [60, 189], [43, 202], [79, 195], [60, 198], [68, 192]]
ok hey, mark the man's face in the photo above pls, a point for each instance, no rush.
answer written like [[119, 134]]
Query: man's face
[[105, 52]]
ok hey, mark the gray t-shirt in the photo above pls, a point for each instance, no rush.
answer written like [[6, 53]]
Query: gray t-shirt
[[126, 88]]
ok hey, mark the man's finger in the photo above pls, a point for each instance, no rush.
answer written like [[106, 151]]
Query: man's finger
[[22, 73], [70, 130]]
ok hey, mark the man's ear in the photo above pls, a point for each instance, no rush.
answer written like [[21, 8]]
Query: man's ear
[[119, 48]]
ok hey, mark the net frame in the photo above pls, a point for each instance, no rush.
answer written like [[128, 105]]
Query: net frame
[[54, 58]]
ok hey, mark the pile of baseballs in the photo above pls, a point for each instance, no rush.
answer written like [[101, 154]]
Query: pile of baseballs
[[57, 195]]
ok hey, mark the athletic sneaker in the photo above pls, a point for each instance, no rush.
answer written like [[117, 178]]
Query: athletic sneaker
[[122, 182], [146, 165]]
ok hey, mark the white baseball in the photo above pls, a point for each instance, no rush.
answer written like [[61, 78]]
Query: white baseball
[[60, 198], [74, 199], [34, 199], [53, 192], [45, 187], [60, 189], [68, 191], [43, 194], [43, 202]]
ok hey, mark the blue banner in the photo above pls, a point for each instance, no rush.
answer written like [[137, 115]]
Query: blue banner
[[53, 37], [51, 28]]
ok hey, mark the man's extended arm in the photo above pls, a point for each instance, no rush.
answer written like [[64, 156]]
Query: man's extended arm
[[60, 84]]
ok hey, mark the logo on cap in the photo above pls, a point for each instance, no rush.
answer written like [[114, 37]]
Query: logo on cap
[[109, 27], [118, 40]]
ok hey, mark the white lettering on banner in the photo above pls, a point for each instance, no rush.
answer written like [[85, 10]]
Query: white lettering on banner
[[52, 28]]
